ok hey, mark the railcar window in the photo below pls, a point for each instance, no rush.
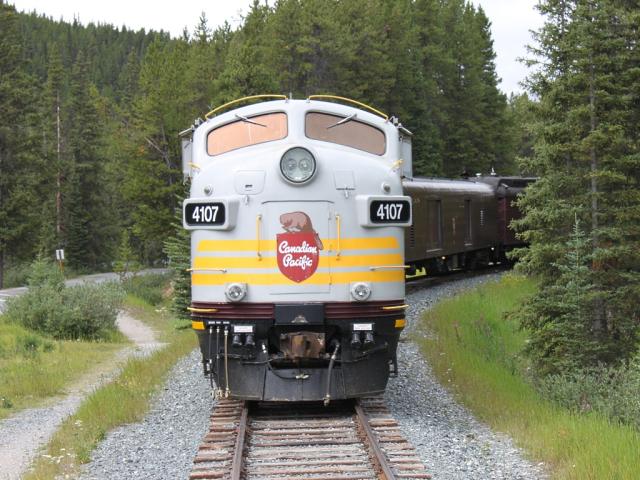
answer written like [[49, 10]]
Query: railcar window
[[467, 219], [247, 131], [345, 131], [434, 222]]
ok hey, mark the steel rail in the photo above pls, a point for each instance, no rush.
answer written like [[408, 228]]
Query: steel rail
[[379, 456], [238, 452], [347, 440]]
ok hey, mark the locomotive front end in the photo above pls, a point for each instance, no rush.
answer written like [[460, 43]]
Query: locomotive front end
[[297, 219]]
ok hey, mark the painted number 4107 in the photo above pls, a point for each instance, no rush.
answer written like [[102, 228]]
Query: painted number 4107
[[389, 211], [205, 214]]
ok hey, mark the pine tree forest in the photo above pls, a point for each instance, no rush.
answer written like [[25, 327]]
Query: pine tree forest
[[583, 214], [90, 115]]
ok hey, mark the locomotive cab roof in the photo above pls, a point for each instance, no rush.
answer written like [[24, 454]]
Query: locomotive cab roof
[[369, 130]]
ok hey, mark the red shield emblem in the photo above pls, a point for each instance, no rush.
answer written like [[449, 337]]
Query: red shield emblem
[[298, 255]]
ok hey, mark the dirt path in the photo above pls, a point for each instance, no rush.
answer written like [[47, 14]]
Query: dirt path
[[22, 435]]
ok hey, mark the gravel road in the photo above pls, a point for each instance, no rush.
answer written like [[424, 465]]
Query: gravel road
[[23, 434], [450, 441]]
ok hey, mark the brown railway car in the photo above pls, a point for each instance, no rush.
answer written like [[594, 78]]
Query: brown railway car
[[461, 223], [506, 191]]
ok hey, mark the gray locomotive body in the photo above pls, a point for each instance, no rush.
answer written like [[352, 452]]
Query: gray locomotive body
[[300, 213], [297, 217]]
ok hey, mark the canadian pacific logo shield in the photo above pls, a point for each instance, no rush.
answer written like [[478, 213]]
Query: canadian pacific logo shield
[[298, 248]]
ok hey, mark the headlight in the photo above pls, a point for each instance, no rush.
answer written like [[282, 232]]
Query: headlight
[[235, 291], [298, 165], [361, 291]]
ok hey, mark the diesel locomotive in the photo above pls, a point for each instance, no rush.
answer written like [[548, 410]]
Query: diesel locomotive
[[301, 212]]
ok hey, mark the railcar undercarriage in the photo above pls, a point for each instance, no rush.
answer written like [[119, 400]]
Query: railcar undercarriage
[[299, 352]]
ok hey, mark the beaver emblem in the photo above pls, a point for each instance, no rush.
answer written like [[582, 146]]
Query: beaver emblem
[[298, 250]]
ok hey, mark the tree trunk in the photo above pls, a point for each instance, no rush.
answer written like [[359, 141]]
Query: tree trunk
[[599, 321], [58, 177], [594, 162], [1, 240]]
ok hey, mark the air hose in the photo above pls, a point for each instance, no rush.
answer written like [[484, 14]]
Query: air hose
[[327, 397]]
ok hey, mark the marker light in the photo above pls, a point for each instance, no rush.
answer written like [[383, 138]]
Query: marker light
[[298, 165], [361, 291], [235, 291]]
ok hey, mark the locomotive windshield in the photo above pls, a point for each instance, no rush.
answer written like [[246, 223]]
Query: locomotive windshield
[[247, 131], [345, 131]]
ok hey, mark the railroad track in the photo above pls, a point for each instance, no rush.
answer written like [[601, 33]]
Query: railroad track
[[426, 281], [349, 440]]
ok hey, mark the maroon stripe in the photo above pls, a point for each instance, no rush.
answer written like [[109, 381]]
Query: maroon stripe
[[265, 311]]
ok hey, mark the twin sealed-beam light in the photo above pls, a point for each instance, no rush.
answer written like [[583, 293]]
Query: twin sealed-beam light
[[298, 165]]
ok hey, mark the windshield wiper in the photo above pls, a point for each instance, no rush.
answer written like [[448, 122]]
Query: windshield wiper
[[344, 120], [245, 119]]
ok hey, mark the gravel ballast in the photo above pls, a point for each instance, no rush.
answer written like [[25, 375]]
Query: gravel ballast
[[163, 445], [447, 437], [450, 441]]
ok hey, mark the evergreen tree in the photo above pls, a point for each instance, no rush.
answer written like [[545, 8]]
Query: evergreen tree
[[559, 314], [493, 137], [87, 213], [53, 222], [247, 71], [19, 165], [161, 110], [177, 249], [128, 80], [202, 33], [588, 153], [520, 120]]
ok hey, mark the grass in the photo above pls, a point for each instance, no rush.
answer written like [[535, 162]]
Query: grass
[[157, 317], [474, 349], [34, 368], [125, 400]]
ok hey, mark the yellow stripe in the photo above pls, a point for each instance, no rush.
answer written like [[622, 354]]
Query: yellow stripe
[[271, 262], [235, 245], [395, 307], [364, 243], [201, 279], [197, 325], [202, 310]]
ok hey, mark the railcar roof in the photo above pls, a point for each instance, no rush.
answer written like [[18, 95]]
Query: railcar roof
[[509, 181], [441, 184]]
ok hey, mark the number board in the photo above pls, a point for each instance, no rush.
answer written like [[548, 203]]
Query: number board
[[389, 211], [204, 214]]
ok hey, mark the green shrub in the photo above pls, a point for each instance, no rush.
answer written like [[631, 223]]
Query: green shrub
[[127, 262], [15, 275], [28, 345], [178, 250], [83, 312], [147, 287], [44, 273], [90, 312], [612, 391]]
